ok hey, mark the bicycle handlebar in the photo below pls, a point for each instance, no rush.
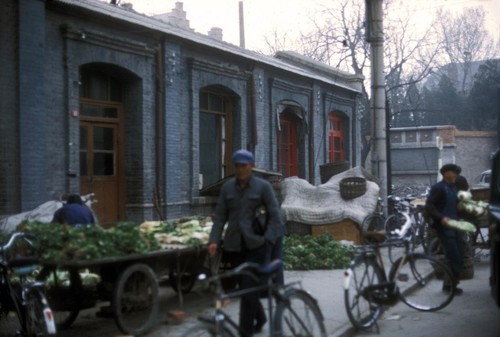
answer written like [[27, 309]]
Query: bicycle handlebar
[[401, 232], [19, 235]]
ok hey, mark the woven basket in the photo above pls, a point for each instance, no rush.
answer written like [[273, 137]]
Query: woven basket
[[352, 187]]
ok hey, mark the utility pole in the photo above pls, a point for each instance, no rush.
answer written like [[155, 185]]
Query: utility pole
[[375, 37]]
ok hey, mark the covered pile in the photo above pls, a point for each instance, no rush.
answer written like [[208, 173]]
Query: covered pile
[[323, 204]]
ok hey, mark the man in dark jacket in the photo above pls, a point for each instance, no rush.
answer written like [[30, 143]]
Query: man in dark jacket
[[441, 206], [239, 200], [74, 212]]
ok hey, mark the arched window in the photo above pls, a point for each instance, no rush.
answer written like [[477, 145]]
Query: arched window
[[215, 136], [335, 138]]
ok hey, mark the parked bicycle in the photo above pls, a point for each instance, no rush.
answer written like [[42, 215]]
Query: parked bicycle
[[417, 279], [375, 222], [21, 296], [296, 314], [418, 233]]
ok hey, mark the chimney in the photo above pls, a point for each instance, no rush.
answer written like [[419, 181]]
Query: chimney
[[177, 17], [215, 33], [242, 26]]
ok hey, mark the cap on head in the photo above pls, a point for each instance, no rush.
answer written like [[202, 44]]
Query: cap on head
[[74, 199], [243, 157], [450, 167]]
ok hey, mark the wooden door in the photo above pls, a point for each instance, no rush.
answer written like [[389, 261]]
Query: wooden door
[[288, 160], [100, 164]]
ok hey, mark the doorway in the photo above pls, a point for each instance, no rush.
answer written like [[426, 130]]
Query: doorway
[[100, 158]]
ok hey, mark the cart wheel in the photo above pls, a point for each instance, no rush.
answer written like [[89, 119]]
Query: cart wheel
[[187, 281], [64, 294], [136, 302]]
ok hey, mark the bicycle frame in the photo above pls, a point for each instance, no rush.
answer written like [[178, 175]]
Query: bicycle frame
[[221, 317], [222, 321], [16, 299]]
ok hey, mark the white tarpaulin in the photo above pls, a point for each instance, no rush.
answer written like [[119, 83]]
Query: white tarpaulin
[[43, 213], [321, 205]]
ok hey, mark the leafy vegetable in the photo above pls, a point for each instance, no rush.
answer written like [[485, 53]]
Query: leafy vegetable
[[320, 252], [462, 225]]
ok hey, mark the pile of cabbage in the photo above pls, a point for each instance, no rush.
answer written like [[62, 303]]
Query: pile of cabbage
[[186, 231], [477, 208], [56, 242]]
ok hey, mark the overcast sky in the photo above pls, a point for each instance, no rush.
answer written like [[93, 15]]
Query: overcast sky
[[263, 17]]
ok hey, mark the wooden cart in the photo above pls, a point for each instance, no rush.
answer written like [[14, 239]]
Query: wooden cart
[[130, 283]]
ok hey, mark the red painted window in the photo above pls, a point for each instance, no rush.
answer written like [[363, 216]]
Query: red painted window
[[335, 139]]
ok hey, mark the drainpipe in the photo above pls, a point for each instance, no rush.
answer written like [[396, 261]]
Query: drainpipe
[[253, 114], [375, 37], [310, 132], [159, 145]]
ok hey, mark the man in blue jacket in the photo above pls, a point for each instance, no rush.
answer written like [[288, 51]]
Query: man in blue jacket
[[239, 200], [441, 206], [74, 213]]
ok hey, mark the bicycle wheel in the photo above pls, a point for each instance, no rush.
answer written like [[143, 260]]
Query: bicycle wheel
[[372, 223], [37, 324], [480, 243], [136, 300], [298, 314], [420, 279], [65, 293], [206, 330], [361, 273], [421, 235], [182, 282], [392, 223]]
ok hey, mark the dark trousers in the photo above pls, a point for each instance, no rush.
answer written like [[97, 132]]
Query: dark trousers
[[276, 252], [451, 241], [251, 309]]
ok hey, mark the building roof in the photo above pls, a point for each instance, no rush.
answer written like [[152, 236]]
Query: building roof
[[306, 67]]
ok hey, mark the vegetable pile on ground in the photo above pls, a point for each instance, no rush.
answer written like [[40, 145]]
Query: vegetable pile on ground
[[320, 252]]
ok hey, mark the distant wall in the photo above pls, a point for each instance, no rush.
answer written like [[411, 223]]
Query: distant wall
[[474, 151], [417, 153]]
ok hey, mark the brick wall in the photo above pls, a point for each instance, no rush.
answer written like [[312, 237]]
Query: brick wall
[[474, 152], [9, 126], [37, 164]]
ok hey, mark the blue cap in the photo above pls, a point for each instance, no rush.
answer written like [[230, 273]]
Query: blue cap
[[243, 157]]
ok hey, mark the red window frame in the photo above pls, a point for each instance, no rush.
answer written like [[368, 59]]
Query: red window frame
[[335, 139]]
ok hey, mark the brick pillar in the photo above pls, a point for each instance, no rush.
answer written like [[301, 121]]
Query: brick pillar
[[32, 135]]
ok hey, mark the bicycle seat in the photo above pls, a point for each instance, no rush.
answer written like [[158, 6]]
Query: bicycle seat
[[24, 265], [257, 269], [272, 267]]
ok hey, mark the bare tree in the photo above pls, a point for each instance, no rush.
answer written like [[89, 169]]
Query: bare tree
[[410, 55], [466, 40]]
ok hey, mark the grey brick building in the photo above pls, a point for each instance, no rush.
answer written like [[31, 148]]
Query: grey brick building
[[417, 153], [98, 98]]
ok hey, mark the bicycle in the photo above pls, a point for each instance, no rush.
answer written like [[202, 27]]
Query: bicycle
[[418, 233], [22, 296], [375, 222], [419, 280], [297, 313]]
